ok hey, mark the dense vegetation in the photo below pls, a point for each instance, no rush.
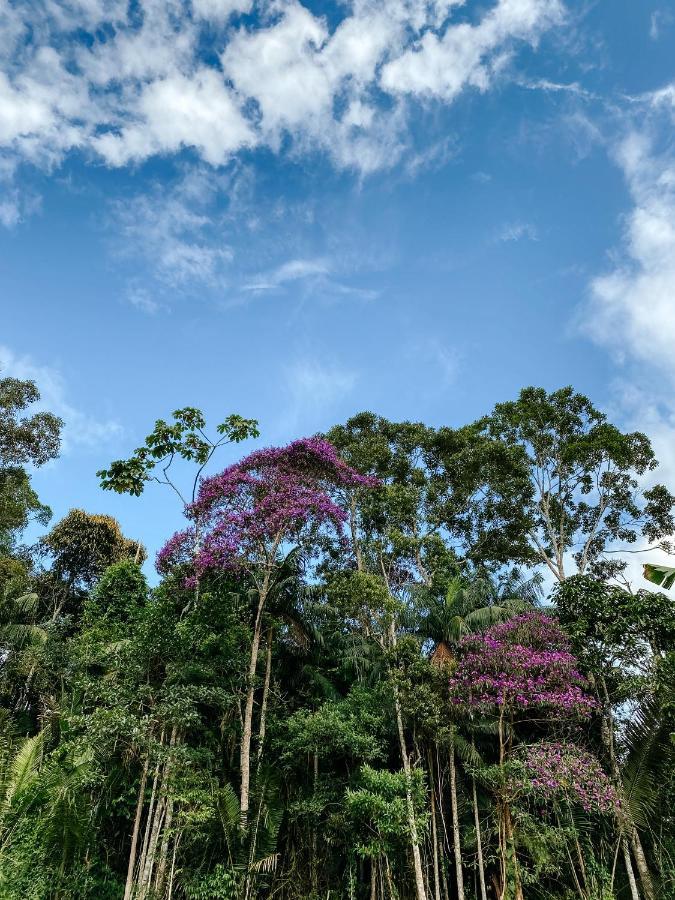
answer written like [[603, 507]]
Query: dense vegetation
[[391, 661]]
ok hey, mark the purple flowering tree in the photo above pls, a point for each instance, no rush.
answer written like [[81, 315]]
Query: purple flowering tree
[[246, 518], [562, 772], [519, 669], [518, 665]]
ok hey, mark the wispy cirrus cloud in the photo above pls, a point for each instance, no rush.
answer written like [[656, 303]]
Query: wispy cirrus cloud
[[517, 231], [315, 390]]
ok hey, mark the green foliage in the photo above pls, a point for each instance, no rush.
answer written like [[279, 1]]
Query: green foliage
[[377, 808], [185, 439], [32, 439], [83, 545], [123, 705], [583, 476]]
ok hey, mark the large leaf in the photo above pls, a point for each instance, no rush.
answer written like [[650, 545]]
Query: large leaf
[[664, 576]]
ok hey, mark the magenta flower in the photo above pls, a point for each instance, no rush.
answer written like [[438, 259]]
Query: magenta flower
[[559, 771], [521, 664], [245, 514]]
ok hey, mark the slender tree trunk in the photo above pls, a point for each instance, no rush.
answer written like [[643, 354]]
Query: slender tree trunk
[[164, 851], [510, 843], [434, 830], [146, 875], [624, 823], [150, 817], [479, 841], [412, 822], [265, 694], [641, 864], [173, 865], [159, 819], [245, 756], [393, 893], [134, 834], [315, 781], [455, 823], [635, 894]]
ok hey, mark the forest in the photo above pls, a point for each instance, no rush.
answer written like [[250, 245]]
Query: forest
[[387, 662]]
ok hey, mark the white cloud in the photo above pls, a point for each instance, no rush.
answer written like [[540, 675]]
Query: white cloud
[[176, 234], [155, 77], [198, 111], [442, 64], [293, 270], [81, 429], [517, 231], [632, 306], [659, 21], [315, 391]]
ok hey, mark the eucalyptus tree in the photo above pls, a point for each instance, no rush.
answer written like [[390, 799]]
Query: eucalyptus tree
[[577, 480], [428, 520]]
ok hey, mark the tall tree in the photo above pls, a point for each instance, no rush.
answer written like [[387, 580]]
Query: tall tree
[[583, 473], [247, 516]]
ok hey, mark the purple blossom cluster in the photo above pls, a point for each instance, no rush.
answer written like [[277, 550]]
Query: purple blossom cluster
[[252, 507], [521, 664], [557, 770]]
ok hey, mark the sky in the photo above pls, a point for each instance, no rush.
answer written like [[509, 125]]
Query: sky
[[299, 211]]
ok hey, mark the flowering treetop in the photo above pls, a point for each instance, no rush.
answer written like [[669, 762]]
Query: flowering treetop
[[559, 771], [244, 514], [521, 664]]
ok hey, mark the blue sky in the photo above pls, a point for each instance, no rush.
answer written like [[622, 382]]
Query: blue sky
[[296, 212]]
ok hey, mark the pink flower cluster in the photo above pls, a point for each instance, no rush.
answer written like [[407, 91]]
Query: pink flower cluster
[[267, 498], [556, 770], [520, 664]]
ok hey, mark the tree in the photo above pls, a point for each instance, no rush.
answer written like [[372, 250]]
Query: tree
[[245, 517], [82, 546], [583, 472], [185, 438], [518, 669], [25, 440]]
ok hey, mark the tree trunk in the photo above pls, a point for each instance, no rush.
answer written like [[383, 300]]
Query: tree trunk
[[164, 851], [624, 822], [159, 819], [629, 870], [265, 694], [128, 887], [479, 841], [247, 730], [412, 822], [510, 844], [434, 832], [150, 817], [641, 864], [455, 823]]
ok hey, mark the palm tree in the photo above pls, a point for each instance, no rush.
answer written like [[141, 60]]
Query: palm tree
[[470, 606]]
